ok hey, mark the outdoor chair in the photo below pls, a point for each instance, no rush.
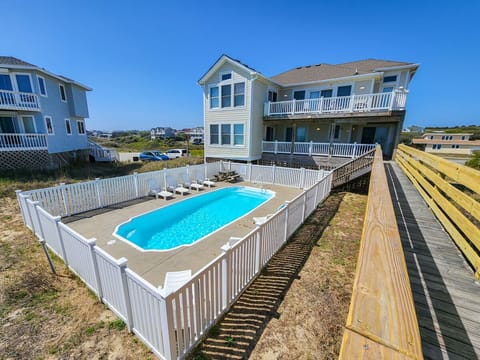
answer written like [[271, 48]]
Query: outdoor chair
[[191, 184], [204, 181], [175, 280], [176, 188], [157, 191]]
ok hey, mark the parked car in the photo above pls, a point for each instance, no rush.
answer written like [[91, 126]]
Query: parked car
[[176, 153], [197, 141], [152, 156]]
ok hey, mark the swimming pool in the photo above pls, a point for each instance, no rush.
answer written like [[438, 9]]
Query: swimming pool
[[188, 221]]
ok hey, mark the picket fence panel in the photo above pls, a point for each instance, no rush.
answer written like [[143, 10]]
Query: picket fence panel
[[295, 211], [243, 263], [148, 322], [110, 275], [287, 177], [50, 231], [79, 253]]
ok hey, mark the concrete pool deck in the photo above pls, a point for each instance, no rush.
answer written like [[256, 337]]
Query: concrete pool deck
[[152, 265]]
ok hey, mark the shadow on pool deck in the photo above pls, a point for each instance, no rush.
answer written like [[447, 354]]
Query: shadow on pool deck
[[152, 265]]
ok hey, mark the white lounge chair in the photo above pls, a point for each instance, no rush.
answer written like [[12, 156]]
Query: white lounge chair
[[157, 191], [176, 188], [191, 184], [206, 182], [261, 219], [175, 280]]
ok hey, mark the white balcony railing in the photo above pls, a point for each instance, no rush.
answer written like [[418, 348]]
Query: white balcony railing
[[395, 100], [15, 142], [312, 148], [14, 100]]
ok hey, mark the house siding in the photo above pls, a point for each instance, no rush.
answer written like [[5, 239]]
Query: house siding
[[233, 115]]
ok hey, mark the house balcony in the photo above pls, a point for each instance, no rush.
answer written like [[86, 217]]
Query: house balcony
[[359, 105], [22, 142], [14, 100], [314, 148]]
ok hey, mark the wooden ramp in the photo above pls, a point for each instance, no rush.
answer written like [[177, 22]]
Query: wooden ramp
[[445, 292]]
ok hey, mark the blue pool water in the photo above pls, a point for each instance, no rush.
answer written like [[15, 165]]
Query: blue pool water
[[187, 221]]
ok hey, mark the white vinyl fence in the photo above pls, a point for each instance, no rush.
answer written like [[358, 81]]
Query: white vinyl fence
[[170, 326]]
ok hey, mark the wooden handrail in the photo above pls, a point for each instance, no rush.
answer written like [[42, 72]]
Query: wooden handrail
[[456, 210], [381, 322]]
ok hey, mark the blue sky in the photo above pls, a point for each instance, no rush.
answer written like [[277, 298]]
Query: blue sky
[[143, 58]]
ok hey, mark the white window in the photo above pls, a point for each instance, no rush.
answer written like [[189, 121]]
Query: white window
[[63, 94], [238, 134], [28, 124], [42, 86], [214, 134], [68, 127], [214, 97], [226, 96], [226, 76], [239, 94], [226, 135], [81, 127], [391, 78], [49, 125]]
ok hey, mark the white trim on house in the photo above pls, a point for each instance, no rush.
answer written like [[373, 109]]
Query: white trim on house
[[232, 135], [46, 72], [67, 121], [60, 87], [44, 86], [51, 125], [21, 123], [399, 67], [84, 131], [369, 76], [13, 79]]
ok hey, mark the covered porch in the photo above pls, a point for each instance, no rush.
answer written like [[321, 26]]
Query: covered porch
[[331, 137], [21, 132]]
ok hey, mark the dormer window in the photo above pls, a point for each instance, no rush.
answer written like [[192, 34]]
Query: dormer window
[[392, 78], [226, 76]]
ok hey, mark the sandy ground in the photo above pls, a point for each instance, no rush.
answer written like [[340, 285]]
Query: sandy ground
[[43, 316]]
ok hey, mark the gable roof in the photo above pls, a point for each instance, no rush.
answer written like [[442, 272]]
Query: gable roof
[[319, 72], [222, 60], [13, 62]]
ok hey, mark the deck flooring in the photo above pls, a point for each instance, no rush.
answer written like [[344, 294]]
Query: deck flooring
[[445, 291]]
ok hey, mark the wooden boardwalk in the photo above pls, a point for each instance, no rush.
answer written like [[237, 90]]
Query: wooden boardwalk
[[446, 294]]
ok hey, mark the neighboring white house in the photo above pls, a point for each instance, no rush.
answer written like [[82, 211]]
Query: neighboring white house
[[446, 143], [162, 133], [247, 114]]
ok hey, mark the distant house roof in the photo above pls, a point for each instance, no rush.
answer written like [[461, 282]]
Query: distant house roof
[[319, 72], [13, 62]]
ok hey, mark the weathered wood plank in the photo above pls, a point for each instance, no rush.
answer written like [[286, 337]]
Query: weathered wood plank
[[361, 347], [444, 289], [382, 308], [461, 242], [461, 174]]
